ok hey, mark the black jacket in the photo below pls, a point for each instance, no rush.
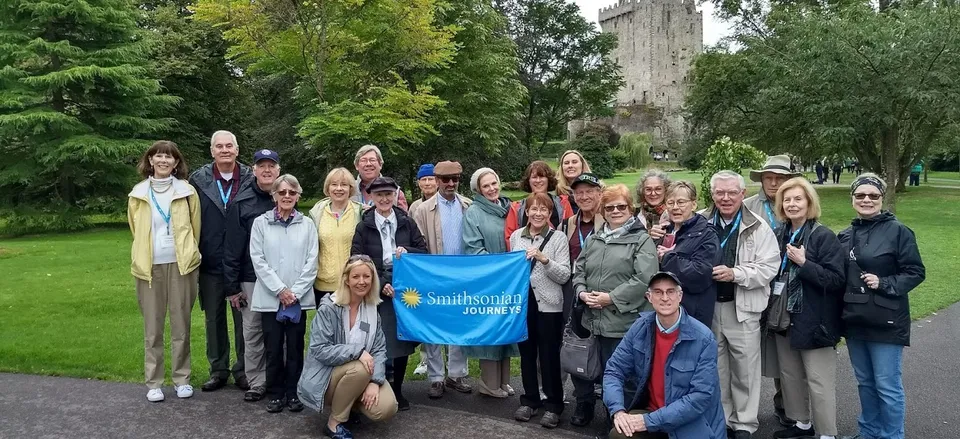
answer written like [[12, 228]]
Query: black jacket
[[818, 324], [213, 214], [241, 212], [696, 252], [366, 240], [885, 247]]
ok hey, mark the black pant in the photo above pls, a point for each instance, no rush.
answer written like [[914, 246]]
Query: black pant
[[214, 304], [914, 179], [583, 389], [836, 176], [282, 379], [545, 334]]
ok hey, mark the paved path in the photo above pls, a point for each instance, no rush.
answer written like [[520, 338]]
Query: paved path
[[55, 408]]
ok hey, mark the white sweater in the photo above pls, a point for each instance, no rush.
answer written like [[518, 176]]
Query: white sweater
[[546, 279]]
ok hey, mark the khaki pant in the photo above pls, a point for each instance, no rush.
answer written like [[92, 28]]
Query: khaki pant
[[809, 382], [167, 290], [494, 374], [738, 363], [254, 363], [614, 434], [347, 383]]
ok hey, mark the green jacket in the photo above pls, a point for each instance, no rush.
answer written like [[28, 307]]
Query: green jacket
[[621, 266], [483, 224]]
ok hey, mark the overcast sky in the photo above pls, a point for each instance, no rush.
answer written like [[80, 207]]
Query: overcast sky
[[713, 28]]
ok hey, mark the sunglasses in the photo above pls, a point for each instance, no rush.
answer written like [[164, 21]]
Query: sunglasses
[[613, 207], [285, 192], [448, 179], [861, 197], [356, 258]]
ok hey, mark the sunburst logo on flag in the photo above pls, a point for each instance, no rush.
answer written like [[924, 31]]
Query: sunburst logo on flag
[[410, 298]]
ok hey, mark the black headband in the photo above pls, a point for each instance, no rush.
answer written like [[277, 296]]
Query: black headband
[[872, 181]]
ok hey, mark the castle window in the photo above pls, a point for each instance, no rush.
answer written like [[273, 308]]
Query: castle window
[[668, 16]]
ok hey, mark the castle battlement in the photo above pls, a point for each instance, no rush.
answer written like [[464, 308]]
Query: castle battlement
[[622, 7]]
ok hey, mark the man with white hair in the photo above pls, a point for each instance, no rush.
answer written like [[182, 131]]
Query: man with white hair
[[218, 184], [368, 162], [749, 258]]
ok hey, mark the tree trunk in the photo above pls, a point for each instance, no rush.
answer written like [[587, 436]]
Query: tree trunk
[[890, 156]]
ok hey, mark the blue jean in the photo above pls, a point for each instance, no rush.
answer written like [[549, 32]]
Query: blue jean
[[882, 401]]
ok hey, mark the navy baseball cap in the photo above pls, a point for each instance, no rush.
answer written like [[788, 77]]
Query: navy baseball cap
[[665, 275], [266, 154], [586, 178]]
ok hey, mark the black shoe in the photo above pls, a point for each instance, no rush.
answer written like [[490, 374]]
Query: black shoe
[[402, 404], [275, 406], [583, 414], [741, 434], [254, 394], [795, 433], [295, 405], [729, 433], [341, 433], [242, 383], [214, 383], [782, 418]]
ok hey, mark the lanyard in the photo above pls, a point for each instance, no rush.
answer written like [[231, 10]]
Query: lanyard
[[736, 226], [770, 216], [225, 197], [580, 234], [793, 238], [165, 216]]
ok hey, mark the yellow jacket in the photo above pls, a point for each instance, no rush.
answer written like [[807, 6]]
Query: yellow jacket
[[184, 219], [335, 237]]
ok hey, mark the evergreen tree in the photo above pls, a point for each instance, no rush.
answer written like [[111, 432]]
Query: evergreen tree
[[77, 101]]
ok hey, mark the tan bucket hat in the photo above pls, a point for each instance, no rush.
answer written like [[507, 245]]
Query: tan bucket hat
[[778, 164]]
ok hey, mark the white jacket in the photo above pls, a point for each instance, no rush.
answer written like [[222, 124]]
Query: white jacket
[[283, 257], [546, 279]]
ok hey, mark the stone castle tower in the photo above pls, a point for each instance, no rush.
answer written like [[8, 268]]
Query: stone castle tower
[[657, 42]]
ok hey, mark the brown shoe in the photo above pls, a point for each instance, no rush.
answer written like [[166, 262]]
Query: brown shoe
[[524, 413], [458, 384], [436, 390]]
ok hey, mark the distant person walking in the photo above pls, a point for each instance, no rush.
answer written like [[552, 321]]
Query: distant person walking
[[163, 212], [837, 170], [915, 172]]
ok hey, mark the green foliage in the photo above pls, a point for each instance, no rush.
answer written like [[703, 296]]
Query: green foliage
[[817, 80], [30, 222], [728, 155], [78, 100], [635, 149], [597, 142], [565, 65]]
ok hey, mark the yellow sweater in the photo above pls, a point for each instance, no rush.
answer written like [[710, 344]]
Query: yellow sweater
[[336, 238], [184, 219]]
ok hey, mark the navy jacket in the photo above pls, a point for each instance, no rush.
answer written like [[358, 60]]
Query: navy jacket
[[887, 248], [696, 252], [237, 267], [691, 385], [213, 215]]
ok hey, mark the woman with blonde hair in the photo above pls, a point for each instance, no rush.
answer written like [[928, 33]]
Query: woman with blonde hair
[[345, 364], [804, 313], [336, 219], [572, 164], [163, 212]]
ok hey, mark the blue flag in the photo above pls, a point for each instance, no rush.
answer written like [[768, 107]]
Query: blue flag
[[478, 300]]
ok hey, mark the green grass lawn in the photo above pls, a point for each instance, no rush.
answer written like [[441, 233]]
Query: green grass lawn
[[68, 307]]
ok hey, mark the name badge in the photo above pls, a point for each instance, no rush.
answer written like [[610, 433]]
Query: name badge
[[778, 288], [166, 242], [364, 326]]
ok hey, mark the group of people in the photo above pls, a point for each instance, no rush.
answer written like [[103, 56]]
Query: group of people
[[688, 307]]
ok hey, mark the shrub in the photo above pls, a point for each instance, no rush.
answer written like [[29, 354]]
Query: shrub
[[729, 155], [597, 143], [18, 223]]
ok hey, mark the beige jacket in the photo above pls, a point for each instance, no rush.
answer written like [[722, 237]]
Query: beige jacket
[[758, 259], [428, 221]]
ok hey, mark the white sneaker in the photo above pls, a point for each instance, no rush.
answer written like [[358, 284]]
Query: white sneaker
[[155, 395], [421, 368], [184, 391]]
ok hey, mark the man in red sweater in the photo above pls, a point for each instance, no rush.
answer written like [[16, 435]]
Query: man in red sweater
[[678, 386]]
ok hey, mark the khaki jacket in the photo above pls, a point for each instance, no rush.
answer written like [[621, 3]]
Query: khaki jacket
[[758, 259], [756, 205], [428, 221], [184, 219]]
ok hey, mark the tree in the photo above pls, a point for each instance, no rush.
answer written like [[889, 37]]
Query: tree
[[77, 99], [564, 64], [598, 142], [820, 79]]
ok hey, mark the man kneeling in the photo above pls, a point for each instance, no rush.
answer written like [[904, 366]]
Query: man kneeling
[[673, 359], [345, 362]]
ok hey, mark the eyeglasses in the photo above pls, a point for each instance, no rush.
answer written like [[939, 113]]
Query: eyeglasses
[[285, 192], [613, 207], [653, 190], [861, 196], [368, 161], [679, 203], [724, 194], [356, 258], [672, 292], [449, 178]]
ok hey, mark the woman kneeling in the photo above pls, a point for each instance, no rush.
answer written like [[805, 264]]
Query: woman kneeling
[[345, 362]]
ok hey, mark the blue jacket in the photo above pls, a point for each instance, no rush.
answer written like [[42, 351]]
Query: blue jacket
[[692, 385]]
